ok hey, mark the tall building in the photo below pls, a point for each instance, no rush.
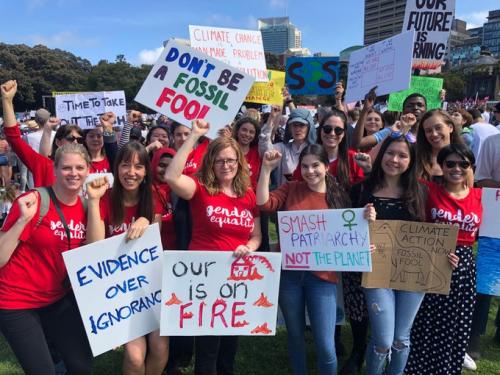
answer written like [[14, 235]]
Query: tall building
[[383, 19], [279, 35], [491, 33]]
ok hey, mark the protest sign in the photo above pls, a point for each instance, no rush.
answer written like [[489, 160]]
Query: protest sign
[[431, 20], [411, 256], [186, 84], [488, 266], [312, 75], [386, 64], [85, 108], [490, 200], [117, 285], [324, 240], [208, 293], [429, 87], [242, 49], [268, 92]]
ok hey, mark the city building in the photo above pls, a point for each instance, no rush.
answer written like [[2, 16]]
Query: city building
[[279, 35], [491, 33], [383, 19]]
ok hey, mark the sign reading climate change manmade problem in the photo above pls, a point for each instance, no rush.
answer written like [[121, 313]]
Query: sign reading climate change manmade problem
[[411, 256], [85, 108], [242, 49], [325, 240], [386, 64], [312, 75], [214, 293], [268, 92], [429, 87], [186, 84], [117, 285], [431, 19]]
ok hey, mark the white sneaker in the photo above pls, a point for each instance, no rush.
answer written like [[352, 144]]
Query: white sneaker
[[469, 363]]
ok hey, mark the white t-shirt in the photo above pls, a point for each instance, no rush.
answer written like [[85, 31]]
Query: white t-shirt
[[488, 163], [482, 130]]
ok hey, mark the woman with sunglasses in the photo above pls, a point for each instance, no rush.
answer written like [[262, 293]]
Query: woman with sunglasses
[[442, 327]]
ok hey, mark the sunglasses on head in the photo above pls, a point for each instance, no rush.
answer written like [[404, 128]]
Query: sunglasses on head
[[463, 164], [327, 129], [72, 138]]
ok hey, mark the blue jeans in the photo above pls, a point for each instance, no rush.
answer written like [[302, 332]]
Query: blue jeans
[[391, 314], [299, 289]]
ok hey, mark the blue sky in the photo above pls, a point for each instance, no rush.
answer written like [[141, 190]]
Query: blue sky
[[104, 29]]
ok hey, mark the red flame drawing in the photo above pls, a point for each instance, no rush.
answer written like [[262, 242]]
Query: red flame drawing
[[241, 324], [173, 300], [262, 329], [263, 301]]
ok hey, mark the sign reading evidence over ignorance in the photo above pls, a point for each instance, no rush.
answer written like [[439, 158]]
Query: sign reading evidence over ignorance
[[214, 293], [117, 285], [186, 84], [325, 240]]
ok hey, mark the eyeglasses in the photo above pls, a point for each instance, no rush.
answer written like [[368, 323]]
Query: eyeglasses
[[327, 129], [228, 162], [463, 164], [72, 138]]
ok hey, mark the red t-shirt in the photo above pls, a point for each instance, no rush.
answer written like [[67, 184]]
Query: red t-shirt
[[101, 166], [221, 222], [254, 162], [168, 235], [465, 213], [35, 275], [195, 157]]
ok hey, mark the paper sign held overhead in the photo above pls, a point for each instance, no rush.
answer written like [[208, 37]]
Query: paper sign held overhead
[[385, 64], [429, 87], [411, 256], [268, 92], [324, 240], [117, 285], [312, 75], [213, 293], [242, 49], [431, 20], [186, 84]]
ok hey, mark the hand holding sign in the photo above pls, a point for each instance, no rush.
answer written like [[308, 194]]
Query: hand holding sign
[[369, 213], [271, 159], [339, 90], [137, 229], [453, 259], [370, 98]]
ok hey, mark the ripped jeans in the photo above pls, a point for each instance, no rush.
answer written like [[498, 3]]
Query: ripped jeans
[[391, 314]]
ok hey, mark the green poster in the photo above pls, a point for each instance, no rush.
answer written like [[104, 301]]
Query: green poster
[[427, 86]]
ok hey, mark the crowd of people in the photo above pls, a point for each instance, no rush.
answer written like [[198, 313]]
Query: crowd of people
[[418, 165]]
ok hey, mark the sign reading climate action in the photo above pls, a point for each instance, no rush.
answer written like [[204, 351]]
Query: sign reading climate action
[[325, 240], [186, 84], [214, 293], [431, 20], [117, 285]]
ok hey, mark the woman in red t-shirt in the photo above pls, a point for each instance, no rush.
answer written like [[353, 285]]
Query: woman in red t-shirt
[[128, 207], [35, 295], [442, 327], [224, 217]]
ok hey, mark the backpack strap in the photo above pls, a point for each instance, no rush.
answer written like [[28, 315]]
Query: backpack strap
[[44, 203]]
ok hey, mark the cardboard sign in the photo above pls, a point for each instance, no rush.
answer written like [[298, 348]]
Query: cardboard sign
[[186, 84], [427, 86], [214, 293], [312, 75], [488, 266], [386, 64], [411, 256], [85, 108], [325, 240], [117, 285], [268, 92], [242, 49], [431, 20], [490, 200]]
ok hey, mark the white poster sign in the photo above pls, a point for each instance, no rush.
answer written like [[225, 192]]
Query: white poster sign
[[242, 49], [117, 285], [386, 64], [214, 293], [186, 84], [325, 240], [84, 109], [491, 207]]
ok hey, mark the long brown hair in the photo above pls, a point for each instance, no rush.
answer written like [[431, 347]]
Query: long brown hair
[[206, 174]]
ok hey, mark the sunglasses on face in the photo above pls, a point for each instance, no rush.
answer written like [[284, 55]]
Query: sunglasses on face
[[463, 164], [72, 138], [327, 129]]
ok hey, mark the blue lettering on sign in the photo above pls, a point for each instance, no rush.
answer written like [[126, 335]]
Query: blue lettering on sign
[[191, 63], [126, 286]]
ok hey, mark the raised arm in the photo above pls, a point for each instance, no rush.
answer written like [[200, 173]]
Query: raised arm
[[132, 118], [95, 225], [358, 140], [181, 184], [8, 90], [270, 161], [45, 142], [266, 133]]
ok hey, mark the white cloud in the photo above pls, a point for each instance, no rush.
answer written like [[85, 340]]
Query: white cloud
[[475, 19], [61, 39], [149, 56], [278, 3]]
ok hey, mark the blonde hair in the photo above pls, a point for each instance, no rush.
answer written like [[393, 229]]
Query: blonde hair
[[206, 174], [71, 148]]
